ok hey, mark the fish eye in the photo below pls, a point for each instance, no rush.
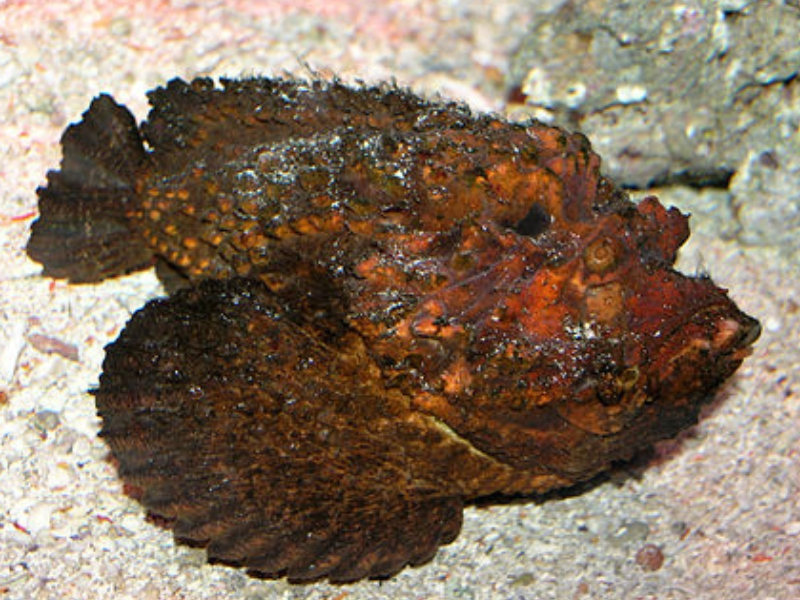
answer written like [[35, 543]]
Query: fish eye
[[600, 255], [535, 223]]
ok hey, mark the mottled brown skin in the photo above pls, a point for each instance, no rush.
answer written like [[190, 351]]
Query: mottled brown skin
[[395, 306]]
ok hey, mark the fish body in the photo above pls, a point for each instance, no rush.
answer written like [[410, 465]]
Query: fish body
[[385, 307]]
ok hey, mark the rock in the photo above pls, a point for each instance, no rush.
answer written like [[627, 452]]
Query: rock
[[677, 93]]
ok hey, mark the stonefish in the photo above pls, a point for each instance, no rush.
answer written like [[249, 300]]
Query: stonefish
[[384, 307]]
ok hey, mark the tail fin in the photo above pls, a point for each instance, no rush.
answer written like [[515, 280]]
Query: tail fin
[[83, 230]]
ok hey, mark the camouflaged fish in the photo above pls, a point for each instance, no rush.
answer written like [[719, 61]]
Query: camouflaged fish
[[390, 307]]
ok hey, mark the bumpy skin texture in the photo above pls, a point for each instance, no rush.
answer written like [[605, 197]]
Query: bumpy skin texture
[[394, 306]]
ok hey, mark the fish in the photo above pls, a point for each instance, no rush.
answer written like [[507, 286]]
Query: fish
[[380, 309]]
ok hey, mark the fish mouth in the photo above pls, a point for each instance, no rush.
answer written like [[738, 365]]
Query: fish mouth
[[707, 349], [734, 337], [723, 330]]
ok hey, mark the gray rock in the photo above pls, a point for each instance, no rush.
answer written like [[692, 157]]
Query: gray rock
[[671, 92]]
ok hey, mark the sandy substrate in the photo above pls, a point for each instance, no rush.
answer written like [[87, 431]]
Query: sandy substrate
[[721, 504]]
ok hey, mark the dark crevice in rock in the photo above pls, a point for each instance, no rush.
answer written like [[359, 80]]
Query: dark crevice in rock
[[715, 177]]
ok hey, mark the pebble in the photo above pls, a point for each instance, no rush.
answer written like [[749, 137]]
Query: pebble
[[37, 518], [630, 532], [792, 528], [59, 476], [46, 420], [650, 557]]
